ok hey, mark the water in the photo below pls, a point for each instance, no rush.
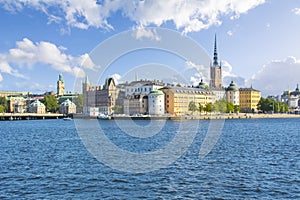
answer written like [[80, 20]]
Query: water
[[253, 159]]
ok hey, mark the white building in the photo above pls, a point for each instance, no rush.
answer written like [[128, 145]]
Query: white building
[[292, 99], [67, 107], [219, 93], [37, 107], [156, 102], [136, 96], [232, 94], [143, 87]]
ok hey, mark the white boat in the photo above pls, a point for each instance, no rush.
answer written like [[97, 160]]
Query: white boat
[[67, 118], [104, 117]]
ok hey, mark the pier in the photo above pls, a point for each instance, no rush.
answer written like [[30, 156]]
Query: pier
[[29, 116]]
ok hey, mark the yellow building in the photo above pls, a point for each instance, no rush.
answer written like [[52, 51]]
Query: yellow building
[[177, 99], [249, 99]]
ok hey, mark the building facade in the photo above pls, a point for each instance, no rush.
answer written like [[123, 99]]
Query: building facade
[[137, 96], [156, 102], [233, 94], [106, 98], [16, 104], [67, 107], [136, 104], [249, 99], [177, 99], [37, 107], [292, 99]]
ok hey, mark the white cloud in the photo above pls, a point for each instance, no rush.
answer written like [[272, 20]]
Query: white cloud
[[28, 54], [230, 33], [187, 15], [296, 11], [141, 32], [86, 62], [117, 78], [229, 76], [277, 76], [196, 73], [1, 77], [6, 68]]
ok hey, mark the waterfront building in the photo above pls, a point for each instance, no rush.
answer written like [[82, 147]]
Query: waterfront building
[[156, 102], [136, 104], [37, 107], [67, 107], [136, 95], [177, 99], [232, 94], [105, 98], [248, 99], [16, 104], [215, 84], [60, 86]]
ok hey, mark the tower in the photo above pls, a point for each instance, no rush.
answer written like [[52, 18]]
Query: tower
[[215, 70], [60, 86]]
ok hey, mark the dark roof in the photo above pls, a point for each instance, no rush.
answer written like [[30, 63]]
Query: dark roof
[[248, 89]]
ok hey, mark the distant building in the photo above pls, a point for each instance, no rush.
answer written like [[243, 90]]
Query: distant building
[[177, 99], [60, 86], [232, 94], [249, 99], [37, 107], [13, 93], [136, 104], [67, 107], [292, 99], [156, 102], [216, 76], [16, 104], [105, 98]]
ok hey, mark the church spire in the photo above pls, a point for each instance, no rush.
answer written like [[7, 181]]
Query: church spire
[[215, 52]]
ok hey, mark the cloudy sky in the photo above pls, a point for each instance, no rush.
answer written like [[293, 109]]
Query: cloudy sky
[[258, 40]]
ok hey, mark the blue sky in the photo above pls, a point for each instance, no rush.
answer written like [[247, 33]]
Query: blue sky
[[258, 40]]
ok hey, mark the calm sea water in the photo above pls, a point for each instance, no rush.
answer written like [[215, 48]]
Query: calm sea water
[[253, 159]]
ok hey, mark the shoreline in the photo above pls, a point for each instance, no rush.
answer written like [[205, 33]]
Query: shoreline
[[199, 117], [34, 116]]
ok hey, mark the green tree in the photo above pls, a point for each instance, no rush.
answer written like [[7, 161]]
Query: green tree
[[265, 104], [192, 106], [3, 104], [230, 107], [236, 108], [282, 107], [79, 103], [201, 108], [220, 106], [51, 103], [208, 108], [2, 109]]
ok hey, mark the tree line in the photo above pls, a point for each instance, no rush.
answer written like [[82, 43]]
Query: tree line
[[220, 106]]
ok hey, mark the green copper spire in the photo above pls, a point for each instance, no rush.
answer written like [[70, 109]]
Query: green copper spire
[[60, 79], [215, 52]]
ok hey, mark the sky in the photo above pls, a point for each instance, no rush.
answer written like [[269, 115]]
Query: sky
[[257, 40]]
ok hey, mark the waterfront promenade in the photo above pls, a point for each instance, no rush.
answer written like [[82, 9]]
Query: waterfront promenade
[[29, 116]]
